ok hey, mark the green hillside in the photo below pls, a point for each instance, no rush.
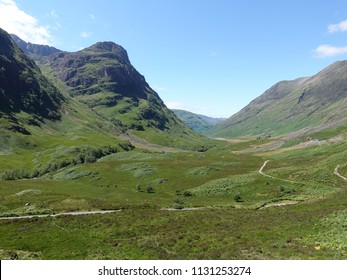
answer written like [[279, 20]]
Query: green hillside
[[305, 104], [22, 85], [198, 123], [102, 78]]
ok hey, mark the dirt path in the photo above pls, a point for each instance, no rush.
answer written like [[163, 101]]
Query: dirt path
[[185, 209], [280, 204], [61, 214], [269, 176], [261, 170], [336, 172]]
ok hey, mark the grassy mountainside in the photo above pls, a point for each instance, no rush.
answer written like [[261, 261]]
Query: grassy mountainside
[[193, 121], [290, 106], [44, 129], [102, 78], [22, 85]]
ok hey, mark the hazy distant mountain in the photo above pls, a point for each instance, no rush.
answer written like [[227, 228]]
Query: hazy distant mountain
[[34, 50], [315, 102], [198, 123]]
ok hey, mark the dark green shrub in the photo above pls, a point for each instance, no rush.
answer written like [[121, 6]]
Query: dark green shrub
[[187, 193], [238, 198]]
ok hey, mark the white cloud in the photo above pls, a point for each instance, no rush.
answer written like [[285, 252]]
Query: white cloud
[[16, 21], [329, 51], [339, 27], [92, 17], [85, 34]]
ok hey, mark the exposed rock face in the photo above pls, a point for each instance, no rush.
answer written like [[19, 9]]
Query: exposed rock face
[[103, 78], [104, 66]]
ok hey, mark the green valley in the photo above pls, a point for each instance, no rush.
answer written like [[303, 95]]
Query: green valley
[[97, 167]]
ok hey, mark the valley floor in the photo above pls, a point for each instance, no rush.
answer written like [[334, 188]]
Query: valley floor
[[225, 203]]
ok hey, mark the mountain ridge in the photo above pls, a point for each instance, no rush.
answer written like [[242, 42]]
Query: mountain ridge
[[34, 50], [290, 106], [102, 79]]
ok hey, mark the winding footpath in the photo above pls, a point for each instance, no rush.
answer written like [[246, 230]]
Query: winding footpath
[[336, 172], [61, 214], [269, 176], [261, 170]]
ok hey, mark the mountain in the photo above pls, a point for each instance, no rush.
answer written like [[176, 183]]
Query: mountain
[[198, 123], [102, 80], [34, 50], [22, 85], [301, 105]]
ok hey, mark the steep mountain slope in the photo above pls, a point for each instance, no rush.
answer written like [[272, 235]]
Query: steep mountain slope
[[22, 85], [103, 78], [100, 82], [303, 104], [198, 123]]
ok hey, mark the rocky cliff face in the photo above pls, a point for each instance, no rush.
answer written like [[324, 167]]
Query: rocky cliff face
[[103, 78], [102, 67]]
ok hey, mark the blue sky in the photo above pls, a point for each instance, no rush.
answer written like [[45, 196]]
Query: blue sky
[[210, 57]]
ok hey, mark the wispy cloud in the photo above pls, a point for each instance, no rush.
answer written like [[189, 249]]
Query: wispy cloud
[[339, 27], [92, 17], [329, 51], [85, 34], [176, 105], [54, 14], [16, 21]]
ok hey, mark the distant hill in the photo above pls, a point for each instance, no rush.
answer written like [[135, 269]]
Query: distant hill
[[301, 105], [34, 50], [198, 123]]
